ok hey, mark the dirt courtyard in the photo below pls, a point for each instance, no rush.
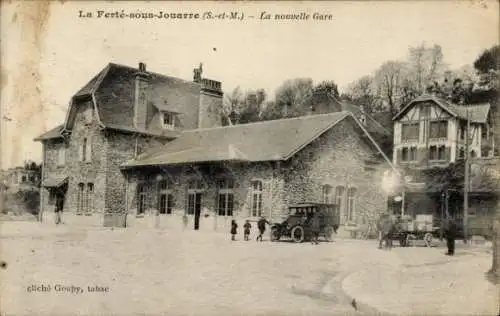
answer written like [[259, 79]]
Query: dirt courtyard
[[157, 272]]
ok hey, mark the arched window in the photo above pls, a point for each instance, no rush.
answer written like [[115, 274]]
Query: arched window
[[327, 194], [351, 204], [225, 197], [339, 198], [79, 198], [165, 197], [90, 197], [256, 198], [473, 154]]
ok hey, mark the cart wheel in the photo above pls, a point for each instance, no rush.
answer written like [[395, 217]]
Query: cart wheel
[[428, 239], [297, 234]]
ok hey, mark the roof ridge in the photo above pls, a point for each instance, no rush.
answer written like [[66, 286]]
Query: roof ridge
[[267, 122], [153, 73], [364, 112]]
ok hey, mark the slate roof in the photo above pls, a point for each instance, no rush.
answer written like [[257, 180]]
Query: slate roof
[[51, 134], [327, 103], [478, 113], [165, 93], [54, 181], [261, 141]]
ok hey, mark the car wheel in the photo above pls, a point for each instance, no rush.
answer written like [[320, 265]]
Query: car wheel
[[275, 234], [329, 233], [297, 234]]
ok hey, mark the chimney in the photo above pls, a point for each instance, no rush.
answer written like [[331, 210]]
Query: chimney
[[210, 104], [197, 73], [142, 67], [141, 97]]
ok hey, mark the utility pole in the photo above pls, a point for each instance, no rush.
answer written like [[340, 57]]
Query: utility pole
[[466, 179]]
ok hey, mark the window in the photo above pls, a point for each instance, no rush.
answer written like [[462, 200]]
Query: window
[[437, 153], [165, 197], [439, 129], [168, 120], [327, 194], [23, 179], [441, 153], [79, 198], [410, 131], [257, 198], [473, 154], [463, 131], [351, 204], [86, 150], [90, 198], [339, 198], [433, 153], [61, 156], [413, 154], [404, 154], [141, 198]]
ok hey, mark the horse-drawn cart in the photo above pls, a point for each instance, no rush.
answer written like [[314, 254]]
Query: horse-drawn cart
[[407, 230]]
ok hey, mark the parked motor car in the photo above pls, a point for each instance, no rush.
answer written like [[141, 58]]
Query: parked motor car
[[297, 225]]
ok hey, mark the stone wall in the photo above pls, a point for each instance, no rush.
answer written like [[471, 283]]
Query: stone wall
[[243, 175], [76, 170], [210, 110], [337, 158]]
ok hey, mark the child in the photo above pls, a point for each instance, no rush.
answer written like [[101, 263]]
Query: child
[[234, 228], [247, 227]]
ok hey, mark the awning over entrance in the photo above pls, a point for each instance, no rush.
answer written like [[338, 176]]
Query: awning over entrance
[[55, 181]]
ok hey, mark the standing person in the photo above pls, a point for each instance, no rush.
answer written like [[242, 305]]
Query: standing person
[[247, 227], [451, 233], [315, 228], [261, 225], [59, 208], [234, 229]]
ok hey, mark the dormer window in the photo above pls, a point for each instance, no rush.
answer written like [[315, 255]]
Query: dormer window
[[168, 120]]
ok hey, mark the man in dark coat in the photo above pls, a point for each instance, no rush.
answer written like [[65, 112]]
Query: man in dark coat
[[59, 208], [261, 225], [315, 228], [451, 233]]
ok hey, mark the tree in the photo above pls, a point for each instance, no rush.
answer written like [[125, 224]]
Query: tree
[[388, 78], [242, 107], [327, 87], [425, 65], [362, 92], [292, 94], [488, 60]]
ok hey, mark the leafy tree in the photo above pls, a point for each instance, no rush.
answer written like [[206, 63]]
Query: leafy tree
[[292, 94], [488, 60], [242, 107], [364, 92]]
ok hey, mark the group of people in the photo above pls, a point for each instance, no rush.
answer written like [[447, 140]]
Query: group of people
[[387, 226], [261, 225]]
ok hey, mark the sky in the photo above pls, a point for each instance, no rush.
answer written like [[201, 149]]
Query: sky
[[49, 52]]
